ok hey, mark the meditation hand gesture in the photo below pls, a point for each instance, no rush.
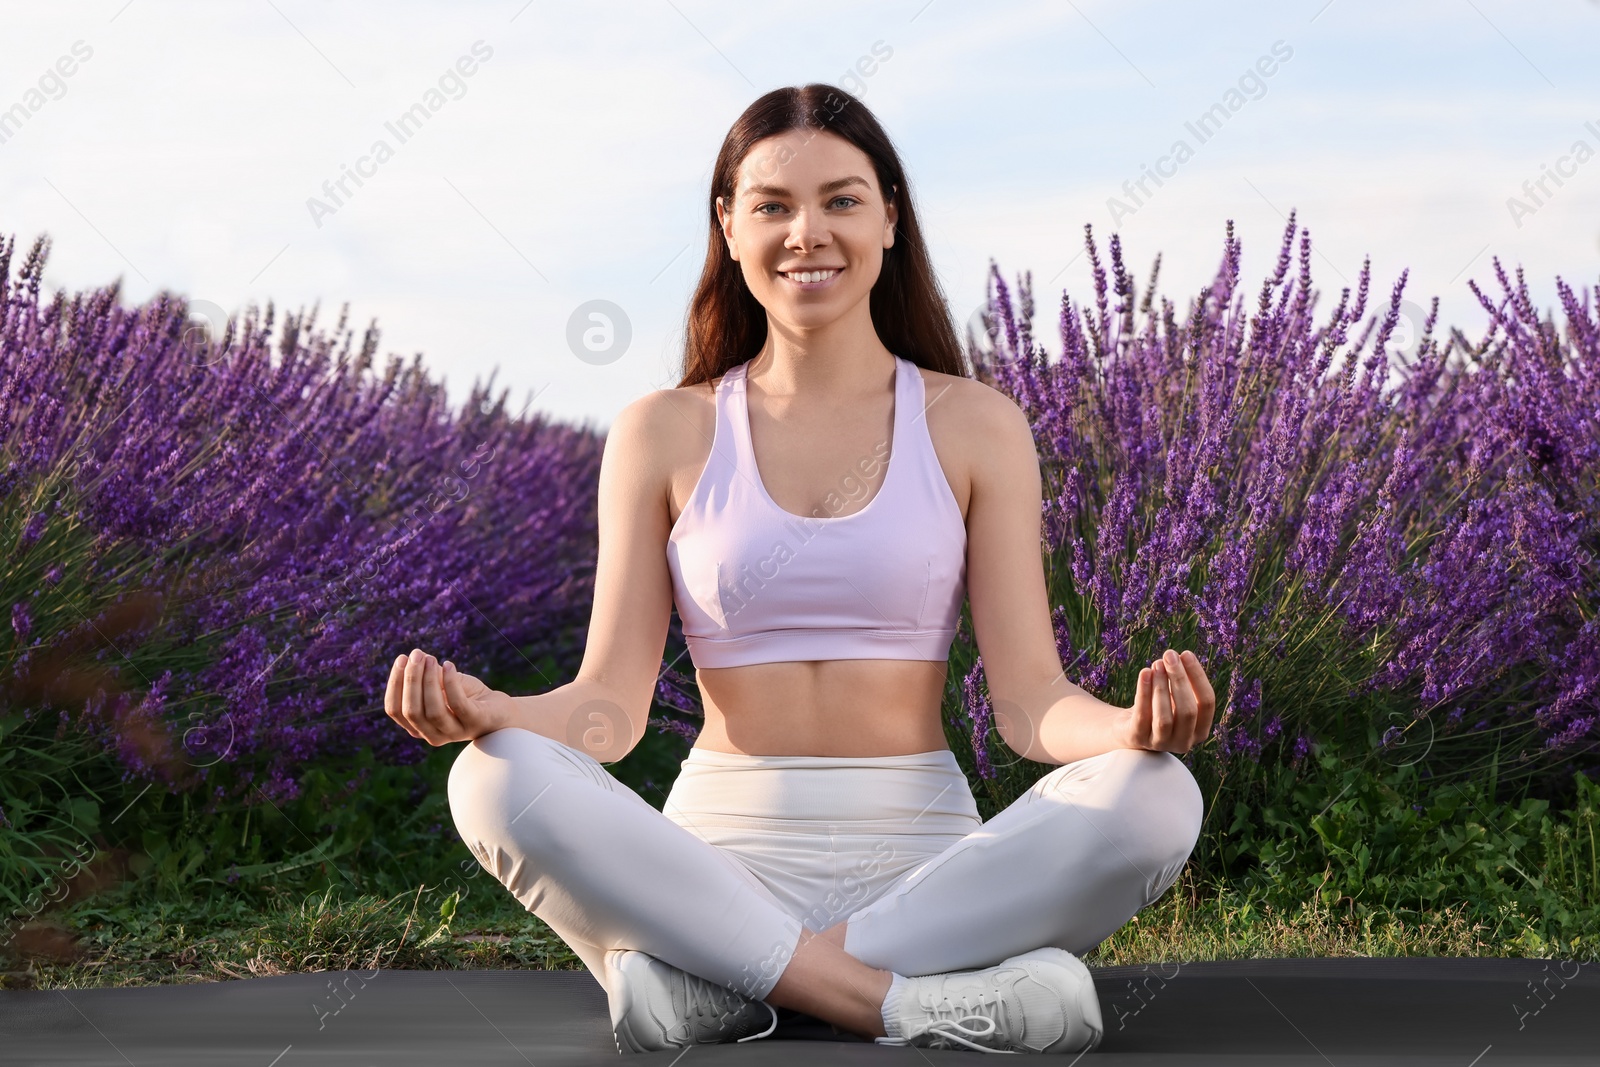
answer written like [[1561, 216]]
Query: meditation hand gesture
[[1173, 706], [439, 704]]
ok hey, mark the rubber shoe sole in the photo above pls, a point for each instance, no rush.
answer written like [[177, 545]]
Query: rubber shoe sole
[[656, 1006]]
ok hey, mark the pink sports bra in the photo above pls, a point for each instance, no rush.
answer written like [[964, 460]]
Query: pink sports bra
[[757, 584]]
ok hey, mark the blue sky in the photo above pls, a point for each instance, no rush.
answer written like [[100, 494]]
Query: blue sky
[[571, 164]]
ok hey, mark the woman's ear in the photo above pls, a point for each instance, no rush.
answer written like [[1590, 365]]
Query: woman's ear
[[724, 219]]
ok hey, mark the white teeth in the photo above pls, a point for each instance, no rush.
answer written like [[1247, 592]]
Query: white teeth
[[811, 275]]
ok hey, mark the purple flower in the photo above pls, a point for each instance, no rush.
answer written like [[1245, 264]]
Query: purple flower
[[675, 690], [1238, 474], [686, 730], [1249, 473], [32, 531], [281, 502], [975, 707]]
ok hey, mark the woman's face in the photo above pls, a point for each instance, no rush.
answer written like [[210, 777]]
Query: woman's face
[[807, 202]]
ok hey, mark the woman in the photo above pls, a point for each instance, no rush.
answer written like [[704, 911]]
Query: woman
[[818, 496]]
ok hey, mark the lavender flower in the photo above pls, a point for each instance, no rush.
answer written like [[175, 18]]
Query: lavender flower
[[1254, 475], [302, 514]]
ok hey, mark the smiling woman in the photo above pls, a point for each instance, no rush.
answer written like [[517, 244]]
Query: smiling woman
[[821, 850]]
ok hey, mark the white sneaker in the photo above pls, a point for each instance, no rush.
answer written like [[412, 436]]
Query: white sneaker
[[1038, 1001], [656, 1006]]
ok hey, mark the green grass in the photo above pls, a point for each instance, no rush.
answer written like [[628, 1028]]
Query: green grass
[[115, 939], [1190, 923], [1337, 858]]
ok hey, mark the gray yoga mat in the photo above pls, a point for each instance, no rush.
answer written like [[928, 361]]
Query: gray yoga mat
[[1341, 1012]]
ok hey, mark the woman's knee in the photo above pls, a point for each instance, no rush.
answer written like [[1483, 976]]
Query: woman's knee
[[495, 778], [1166, 805], [1147, 801]]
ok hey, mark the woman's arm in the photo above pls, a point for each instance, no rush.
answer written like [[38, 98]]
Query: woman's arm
[[604, 709], [1038, 713]]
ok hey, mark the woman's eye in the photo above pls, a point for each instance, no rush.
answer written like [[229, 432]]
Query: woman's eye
[[851, 202]]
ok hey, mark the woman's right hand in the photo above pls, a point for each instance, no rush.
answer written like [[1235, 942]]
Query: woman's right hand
[[1173, 705], [438, 704]]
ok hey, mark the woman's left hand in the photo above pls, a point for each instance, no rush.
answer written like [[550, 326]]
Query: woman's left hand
[[1173, 706]]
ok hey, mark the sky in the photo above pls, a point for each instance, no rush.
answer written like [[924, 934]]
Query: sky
[[567, 150]]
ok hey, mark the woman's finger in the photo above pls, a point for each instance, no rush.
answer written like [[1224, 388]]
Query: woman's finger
[[391, 694], [1161, 707], [434, 709], [424, 720], [455, 693], [455, 700], [1140, 725], [411, 699], [1205, 697], [395, 694], [1185, 705], [450, 688]]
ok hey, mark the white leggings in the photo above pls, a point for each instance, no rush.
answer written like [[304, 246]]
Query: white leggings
[[750, 849]]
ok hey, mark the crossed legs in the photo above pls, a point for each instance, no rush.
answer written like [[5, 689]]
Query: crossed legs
[[605, 870], [1066, 864], [825, 981]]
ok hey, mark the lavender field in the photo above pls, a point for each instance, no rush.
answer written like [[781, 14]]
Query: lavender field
[[215, 546], [1408, 569]]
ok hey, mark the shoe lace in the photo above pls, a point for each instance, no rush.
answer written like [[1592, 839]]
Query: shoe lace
[[952, 1025], [770, 1027]]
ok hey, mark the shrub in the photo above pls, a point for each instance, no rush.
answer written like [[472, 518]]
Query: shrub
[[216, 546], [1385, 575]]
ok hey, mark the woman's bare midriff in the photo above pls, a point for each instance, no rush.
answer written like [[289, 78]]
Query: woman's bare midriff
[[855, 707], [847, 707]]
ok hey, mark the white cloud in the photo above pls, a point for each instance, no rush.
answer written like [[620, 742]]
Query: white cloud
[[184, 152]]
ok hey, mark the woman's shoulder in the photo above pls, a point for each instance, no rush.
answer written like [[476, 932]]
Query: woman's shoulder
[[967, 404], [670, 403], [675, 422]]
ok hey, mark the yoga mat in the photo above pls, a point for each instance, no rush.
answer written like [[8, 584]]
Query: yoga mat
[[1338, 1012]]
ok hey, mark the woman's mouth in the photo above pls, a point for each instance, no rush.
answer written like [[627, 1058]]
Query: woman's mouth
[[807, 280]]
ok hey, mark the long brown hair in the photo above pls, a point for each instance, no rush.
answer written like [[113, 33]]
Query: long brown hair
[[727, 325]]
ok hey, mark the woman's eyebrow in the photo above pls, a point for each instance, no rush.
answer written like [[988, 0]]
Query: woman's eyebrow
[[826, 187]]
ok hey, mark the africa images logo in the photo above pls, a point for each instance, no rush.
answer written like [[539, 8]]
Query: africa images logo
[[402, 128]]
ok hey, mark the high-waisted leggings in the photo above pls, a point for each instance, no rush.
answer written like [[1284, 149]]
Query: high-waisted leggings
[[748, 850]]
